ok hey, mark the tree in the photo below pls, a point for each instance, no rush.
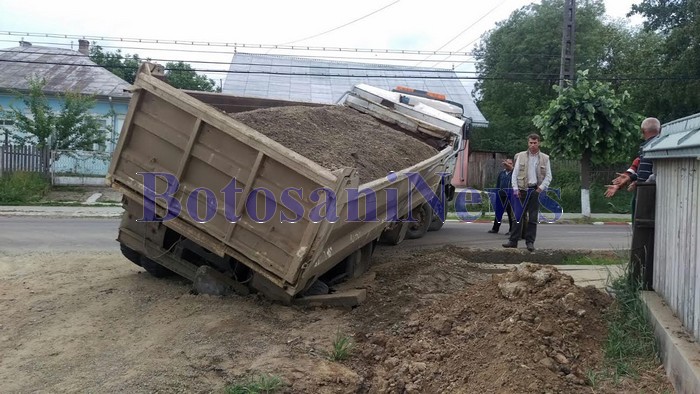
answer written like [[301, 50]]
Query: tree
[[588, 122], [125, 67], [519, 61], [677, 24], [72, 128], [182, 76]]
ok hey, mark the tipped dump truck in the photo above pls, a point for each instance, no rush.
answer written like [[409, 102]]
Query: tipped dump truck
[[220, 203]]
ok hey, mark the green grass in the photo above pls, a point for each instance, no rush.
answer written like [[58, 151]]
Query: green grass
[[259, 384], [630, 347], [592, 260], [342, 347], [22, 188]]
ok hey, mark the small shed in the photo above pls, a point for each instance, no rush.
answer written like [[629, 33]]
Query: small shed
[[676, 273]]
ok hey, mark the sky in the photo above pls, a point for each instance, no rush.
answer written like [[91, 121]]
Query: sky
[[454, 25]]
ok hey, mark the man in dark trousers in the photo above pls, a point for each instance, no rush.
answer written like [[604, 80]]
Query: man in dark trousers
[[531, 176], [501, 203]]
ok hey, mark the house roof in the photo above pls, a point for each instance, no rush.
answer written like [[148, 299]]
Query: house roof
[[325, 81], [679, 139], [65, 70]]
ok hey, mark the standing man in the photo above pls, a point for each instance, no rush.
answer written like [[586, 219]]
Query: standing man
[[503, 185], [641, 168], [531, 176]]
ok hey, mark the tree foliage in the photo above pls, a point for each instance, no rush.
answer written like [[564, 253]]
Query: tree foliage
[[124, 66], [519, 61], [182, 76], [71, 128], [588, 119]]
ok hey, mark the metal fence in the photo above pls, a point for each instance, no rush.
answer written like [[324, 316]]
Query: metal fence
[[79, 167]]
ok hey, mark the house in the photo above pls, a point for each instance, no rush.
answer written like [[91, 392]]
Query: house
[[676, 252], [325, 81], [65, 70]]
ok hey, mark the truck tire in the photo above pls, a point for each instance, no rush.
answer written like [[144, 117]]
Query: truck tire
[[396, 235], [436, 224], [131, 254], [423, 216], [154, 268], [317, 288]]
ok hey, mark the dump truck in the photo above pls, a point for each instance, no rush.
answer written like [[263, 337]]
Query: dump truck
[[191, 145]]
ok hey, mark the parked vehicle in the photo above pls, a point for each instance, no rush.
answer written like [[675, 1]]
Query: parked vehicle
[[188, 135]]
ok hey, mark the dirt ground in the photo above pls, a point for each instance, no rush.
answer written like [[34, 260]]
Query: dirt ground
[[358, 140], [433, 322]]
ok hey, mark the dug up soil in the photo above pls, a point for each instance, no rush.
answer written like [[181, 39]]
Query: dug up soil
[[337, 136], [433, 322]]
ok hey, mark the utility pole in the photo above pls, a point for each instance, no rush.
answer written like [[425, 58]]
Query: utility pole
[[566, 71]]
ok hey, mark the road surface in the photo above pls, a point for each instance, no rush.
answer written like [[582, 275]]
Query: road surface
[[24, 234]]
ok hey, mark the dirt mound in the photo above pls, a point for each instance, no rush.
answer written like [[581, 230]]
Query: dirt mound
[[527, 330], [336, 137]]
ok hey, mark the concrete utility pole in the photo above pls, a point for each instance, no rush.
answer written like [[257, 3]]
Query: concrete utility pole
[[567, 69]]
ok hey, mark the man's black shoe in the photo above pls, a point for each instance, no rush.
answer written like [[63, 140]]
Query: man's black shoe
[[510, 245], [530, 246], [492, 231]]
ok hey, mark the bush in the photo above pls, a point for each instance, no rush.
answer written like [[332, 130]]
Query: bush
[[569, 181], [22, 188]]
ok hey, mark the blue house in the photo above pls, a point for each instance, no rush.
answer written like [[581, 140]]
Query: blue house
[[65, 70]]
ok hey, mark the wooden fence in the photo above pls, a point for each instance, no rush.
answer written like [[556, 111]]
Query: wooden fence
[[15, 158]]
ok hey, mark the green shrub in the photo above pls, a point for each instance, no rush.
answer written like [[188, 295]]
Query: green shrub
[[22, 188]]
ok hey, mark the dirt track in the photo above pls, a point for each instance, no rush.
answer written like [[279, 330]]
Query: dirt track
[[95, 322]]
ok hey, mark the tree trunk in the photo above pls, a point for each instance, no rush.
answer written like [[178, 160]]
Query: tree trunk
[[586, 184]]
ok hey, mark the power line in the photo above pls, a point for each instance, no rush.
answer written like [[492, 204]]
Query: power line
[[231, 53], [341, 26], [542, 77], [379, 67], [234, 45], [467, 28]]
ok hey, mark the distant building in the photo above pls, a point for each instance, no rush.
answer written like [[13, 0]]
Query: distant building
[[325, 81], [64, 70]]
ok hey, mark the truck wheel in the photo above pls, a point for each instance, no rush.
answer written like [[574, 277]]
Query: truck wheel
[[436, 224], [154, 268], [131, 254], [317, 288], [396, 235], [423, 215]]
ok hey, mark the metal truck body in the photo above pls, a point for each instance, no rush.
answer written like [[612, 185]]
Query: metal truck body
[[187, 135]]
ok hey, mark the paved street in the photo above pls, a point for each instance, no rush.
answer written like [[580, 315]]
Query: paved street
[[20, 234]]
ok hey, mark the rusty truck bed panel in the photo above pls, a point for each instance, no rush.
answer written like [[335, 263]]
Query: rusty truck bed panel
[[169, 131]]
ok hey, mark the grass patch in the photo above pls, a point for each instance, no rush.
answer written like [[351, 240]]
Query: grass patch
[[259, 384], [22, 188], [592, 260], [342, 347], [630, 347]]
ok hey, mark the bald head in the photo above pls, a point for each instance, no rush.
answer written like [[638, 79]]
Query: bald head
[[650, 128]]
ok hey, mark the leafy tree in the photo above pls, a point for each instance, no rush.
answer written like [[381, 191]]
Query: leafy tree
[[519, 61], [677, 24], [72, 128], [588, 122], [182, 76], [124, 66]]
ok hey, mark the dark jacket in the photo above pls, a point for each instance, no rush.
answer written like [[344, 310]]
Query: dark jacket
[[503, 181]]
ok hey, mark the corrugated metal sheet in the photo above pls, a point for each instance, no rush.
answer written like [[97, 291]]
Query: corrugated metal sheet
[[64, 70], [325, 81], [676, 249], [680, 138]]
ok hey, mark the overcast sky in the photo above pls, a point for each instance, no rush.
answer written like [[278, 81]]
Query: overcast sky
[[379, 24]]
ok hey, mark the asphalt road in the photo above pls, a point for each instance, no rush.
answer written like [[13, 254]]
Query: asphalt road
[[24, 234]]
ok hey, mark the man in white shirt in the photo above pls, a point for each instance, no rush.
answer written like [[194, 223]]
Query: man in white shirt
[[531, 176]]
